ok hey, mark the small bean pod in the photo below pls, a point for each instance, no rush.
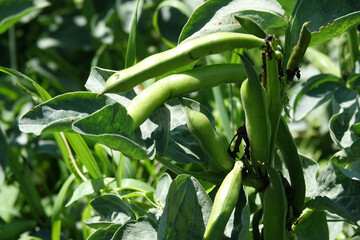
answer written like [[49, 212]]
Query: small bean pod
[[152, 97], [209, 140], [224, 203], [275, 207], [179, 56], [298, 51]]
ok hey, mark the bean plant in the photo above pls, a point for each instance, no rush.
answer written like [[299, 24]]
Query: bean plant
[[212, 135]]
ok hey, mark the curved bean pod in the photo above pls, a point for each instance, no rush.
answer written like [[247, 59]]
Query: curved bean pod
[[224, 203], [181, 55], [147, 101]]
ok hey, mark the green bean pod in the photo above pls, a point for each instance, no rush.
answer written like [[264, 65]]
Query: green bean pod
[[298, 51], [286, 144], [179, 56], [209, 140], [224, 203], [274, 96], [275, 207], [152, 97], [257, 121]]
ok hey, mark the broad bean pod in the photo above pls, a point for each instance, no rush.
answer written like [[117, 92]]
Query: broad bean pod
[[257, 121], [179, 56], [224, 203], [209, 140], [148, 100], [286, 144], [274, 207]]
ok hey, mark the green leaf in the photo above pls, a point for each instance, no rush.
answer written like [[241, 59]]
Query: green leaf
[[106, 233], [288, 6], [348, 155], [314, 92], [139, 230], [4, 155], [112, 127], [58, 114], [130, 58], [186, 211], [43, 93], [89, 187], [305, 229], [310, 168], [338, 193], [346, 105], [136, 184], [55, 217], [218, 16], [328, 18], [335, 28], [11, 11], [162, 187], [111, 209]]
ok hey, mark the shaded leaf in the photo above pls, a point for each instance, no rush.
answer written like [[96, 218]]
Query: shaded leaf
[[186, 211], [338, 192], [139, 230], [105, 233], [348, 155], [314, 92], [111, 209], [218, 16], [305, 229], [346, 105]]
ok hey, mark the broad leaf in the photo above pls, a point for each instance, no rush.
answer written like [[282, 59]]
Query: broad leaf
[[106, 233], [89, 187], [111, 209], [346, 104], [314, 92], [139, 230], [348, 155], [112, 127], [162, 187], [186, 211], [310, 168], [305, 229], [11, 11], [58, 114], [338, 192], [328, 19], [218, 16]]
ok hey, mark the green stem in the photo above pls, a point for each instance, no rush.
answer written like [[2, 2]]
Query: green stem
[[354, 44]]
